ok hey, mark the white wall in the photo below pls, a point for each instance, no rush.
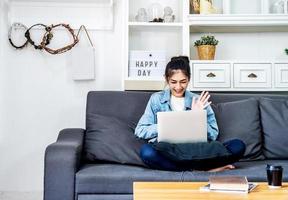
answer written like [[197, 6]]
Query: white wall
[[39, 98], [3, 42]]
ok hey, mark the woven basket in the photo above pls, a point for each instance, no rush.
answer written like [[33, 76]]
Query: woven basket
[[206, 52]]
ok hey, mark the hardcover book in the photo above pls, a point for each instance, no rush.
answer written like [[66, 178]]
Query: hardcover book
[[206, 188], [228, 183]]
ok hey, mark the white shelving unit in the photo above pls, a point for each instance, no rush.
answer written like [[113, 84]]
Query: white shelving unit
[[147, 36], [251, 38], [146, 24], [245, 21], [246, 6]]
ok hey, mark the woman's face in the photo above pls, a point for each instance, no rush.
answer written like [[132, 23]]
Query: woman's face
[[178, 83]]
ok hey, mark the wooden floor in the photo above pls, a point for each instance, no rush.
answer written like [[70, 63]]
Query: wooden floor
[[190, 190]]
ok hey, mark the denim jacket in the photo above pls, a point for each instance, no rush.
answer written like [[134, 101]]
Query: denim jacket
[[160, 101]]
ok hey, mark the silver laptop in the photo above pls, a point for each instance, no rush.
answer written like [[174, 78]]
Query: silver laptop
[[182, 126]]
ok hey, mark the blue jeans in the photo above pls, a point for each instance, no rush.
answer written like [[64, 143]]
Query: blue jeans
[[155, 160]]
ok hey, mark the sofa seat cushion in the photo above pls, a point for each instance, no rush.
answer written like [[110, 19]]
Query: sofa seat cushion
[[255, 171], [105, 197], [274, 118], [118, 179]]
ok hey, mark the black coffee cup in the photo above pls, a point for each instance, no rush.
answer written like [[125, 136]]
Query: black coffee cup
[[274, 175]]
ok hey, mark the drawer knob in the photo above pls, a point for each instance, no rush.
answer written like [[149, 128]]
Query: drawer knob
[[252, 75], [211, 75]]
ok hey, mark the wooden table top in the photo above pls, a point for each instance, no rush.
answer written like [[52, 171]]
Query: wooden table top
[[190, 190]]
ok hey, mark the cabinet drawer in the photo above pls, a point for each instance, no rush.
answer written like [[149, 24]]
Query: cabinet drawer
[[281, 74], [248, 75], [216, 75]]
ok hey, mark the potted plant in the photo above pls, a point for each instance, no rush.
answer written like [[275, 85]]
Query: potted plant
[[206, 47]]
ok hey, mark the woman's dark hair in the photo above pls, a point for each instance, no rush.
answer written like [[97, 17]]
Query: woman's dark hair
[[178, 63]]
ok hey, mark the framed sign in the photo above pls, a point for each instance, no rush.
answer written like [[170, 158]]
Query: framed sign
[[147, 64]]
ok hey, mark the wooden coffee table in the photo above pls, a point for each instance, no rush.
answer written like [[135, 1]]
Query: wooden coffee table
[[190, 190]]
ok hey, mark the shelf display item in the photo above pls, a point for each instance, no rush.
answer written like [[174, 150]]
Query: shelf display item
[[168, 14], [147, 64], [141, 15], [206, 47], [33, 43], [155, 12], [62, 49], [279, 7], [81, 60], [206, 7], [195, 4], [206, 52], [12, 32]]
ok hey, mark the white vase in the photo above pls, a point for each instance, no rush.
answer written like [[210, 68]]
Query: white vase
[[279, 7]]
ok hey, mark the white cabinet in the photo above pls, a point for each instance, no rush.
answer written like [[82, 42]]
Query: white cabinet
[[281, 75], [207, 75], [249, 32], [248, 75], [232, 75]]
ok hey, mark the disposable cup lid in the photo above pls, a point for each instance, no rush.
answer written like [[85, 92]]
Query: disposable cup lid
[[274, 167]]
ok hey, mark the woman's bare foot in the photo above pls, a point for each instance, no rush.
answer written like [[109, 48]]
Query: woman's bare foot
[[220, 169]]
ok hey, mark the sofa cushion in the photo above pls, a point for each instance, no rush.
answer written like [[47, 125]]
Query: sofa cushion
[[118, 179], [110, 139], [274, 119], [241, 120]]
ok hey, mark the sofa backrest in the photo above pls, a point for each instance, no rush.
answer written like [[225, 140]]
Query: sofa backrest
[[229, 97], [129, 107]]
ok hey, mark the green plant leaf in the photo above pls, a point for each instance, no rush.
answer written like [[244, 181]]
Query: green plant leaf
[[206, 40]]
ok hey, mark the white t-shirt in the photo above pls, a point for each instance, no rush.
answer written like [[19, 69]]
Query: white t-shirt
[[177, 103]]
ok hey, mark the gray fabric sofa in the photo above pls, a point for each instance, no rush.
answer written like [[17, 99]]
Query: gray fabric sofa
[[68, 175]]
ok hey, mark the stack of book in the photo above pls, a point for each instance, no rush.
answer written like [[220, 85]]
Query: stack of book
[[238, 184]]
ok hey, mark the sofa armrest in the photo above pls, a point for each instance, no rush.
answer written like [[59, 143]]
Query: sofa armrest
[[62, 160]]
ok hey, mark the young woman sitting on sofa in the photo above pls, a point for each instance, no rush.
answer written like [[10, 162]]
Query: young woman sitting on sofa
[[178, 98]]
